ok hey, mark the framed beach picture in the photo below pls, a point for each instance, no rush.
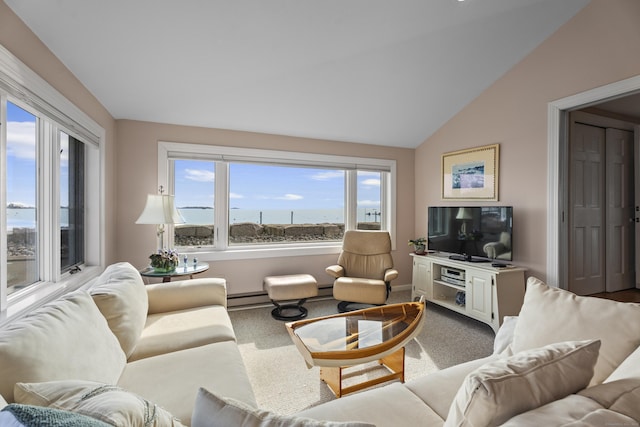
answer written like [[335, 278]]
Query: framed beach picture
[[471, 174]]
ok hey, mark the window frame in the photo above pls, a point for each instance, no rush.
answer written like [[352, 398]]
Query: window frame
[[26, 89], [168, 151]]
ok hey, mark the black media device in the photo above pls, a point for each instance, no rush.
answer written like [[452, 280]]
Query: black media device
[[472, 233]]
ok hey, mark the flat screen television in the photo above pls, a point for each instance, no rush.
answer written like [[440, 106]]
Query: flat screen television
[[472, 233]]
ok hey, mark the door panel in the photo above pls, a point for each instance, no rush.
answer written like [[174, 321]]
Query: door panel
[[586, 217], [479, 302], [620, 255]]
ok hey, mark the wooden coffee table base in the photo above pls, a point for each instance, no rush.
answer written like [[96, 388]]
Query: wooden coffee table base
[[333, 375]]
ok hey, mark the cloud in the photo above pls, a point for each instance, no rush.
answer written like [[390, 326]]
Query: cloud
[[290, 197], [235, 196], [21, 138], [372, 182], [375, 203], [325, 176], [200, 175], [287, 196]]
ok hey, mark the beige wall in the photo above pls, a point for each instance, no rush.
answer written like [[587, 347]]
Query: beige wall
[[598, 46], [137, 176], [21, 42]]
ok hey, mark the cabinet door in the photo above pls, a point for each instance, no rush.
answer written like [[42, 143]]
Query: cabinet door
[[479, 291], [421, 279]]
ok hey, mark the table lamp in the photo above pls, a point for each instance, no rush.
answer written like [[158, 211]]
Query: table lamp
[[160, 210]]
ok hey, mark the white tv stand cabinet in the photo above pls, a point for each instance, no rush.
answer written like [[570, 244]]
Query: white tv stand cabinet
[[489, 293]]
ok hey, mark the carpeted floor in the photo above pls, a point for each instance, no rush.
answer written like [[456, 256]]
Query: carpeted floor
[[282, 382]]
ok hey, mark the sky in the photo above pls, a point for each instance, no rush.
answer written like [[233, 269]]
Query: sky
[[252, 186], [21, 155]]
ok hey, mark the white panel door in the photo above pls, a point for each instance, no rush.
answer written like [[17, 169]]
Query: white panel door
[[620, 229], [586, 209]]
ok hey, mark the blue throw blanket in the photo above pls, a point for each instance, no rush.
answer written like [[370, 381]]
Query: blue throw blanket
[[18, 415]]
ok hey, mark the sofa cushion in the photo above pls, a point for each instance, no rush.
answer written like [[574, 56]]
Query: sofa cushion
[[214, 411], [506, 387], [183, 294], [550, 315], [179, 330], [504, 336], [3, 402], [171, 380], [384, 407], [104, 402], [121, 296], [65, 339], [16, 415]]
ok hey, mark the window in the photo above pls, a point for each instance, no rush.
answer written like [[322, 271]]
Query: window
[[268, 201], [369, 197], [22, 196], [284, 204], [51, 187], [194, 199], [72, 210]]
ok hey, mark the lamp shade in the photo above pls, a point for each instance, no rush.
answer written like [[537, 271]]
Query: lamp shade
[[464, 213], [160, 209]]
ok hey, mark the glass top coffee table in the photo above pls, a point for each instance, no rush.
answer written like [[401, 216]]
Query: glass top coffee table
[[348, 339]]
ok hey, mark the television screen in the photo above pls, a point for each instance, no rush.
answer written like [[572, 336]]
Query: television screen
[[471, 233]]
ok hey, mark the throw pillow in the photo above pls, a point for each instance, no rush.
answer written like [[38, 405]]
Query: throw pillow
[[106, 403], [551, 315], [121, 296], [501, 389], [16, 415], [213, 411], [66, 338]]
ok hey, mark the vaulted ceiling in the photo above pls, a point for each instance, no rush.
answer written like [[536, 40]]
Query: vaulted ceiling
[[367, 71]]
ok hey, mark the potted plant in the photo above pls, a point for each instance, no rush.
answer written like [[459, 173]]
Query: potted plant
[[164, 261], [419, 245]]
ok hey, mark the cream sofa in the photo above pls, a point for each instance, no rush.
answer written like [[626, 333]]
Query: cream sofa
[[565, 360], [161, 342]]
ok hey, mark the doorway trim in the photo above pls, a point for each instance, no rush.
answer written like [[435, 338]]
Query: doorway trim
[[556, 127]]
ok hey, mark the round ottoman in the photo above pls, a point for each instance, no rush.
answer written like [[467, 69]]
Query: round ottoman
[[290, 288]]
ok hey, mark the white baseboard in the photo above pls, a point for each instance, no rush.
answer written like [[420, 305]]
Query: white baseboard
[[398, 288]]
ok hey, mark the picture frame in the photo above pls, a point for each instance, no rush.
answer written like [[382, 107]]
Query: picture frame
[[471, 174]]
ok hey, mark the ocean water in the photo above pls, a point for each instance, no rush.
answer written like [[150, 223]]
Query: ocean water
[[26, 218], [279, 216]]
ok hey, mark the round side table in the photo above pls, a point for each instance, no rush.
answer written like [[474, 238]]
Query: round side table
[[180, 271]]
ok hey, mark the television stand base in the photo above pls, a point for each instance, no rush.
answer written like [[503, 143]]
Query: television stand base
[[467, 258]]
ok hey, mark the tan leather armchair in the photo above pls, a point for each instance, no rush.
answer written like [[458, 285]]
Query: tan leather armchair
[[364, 270]]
